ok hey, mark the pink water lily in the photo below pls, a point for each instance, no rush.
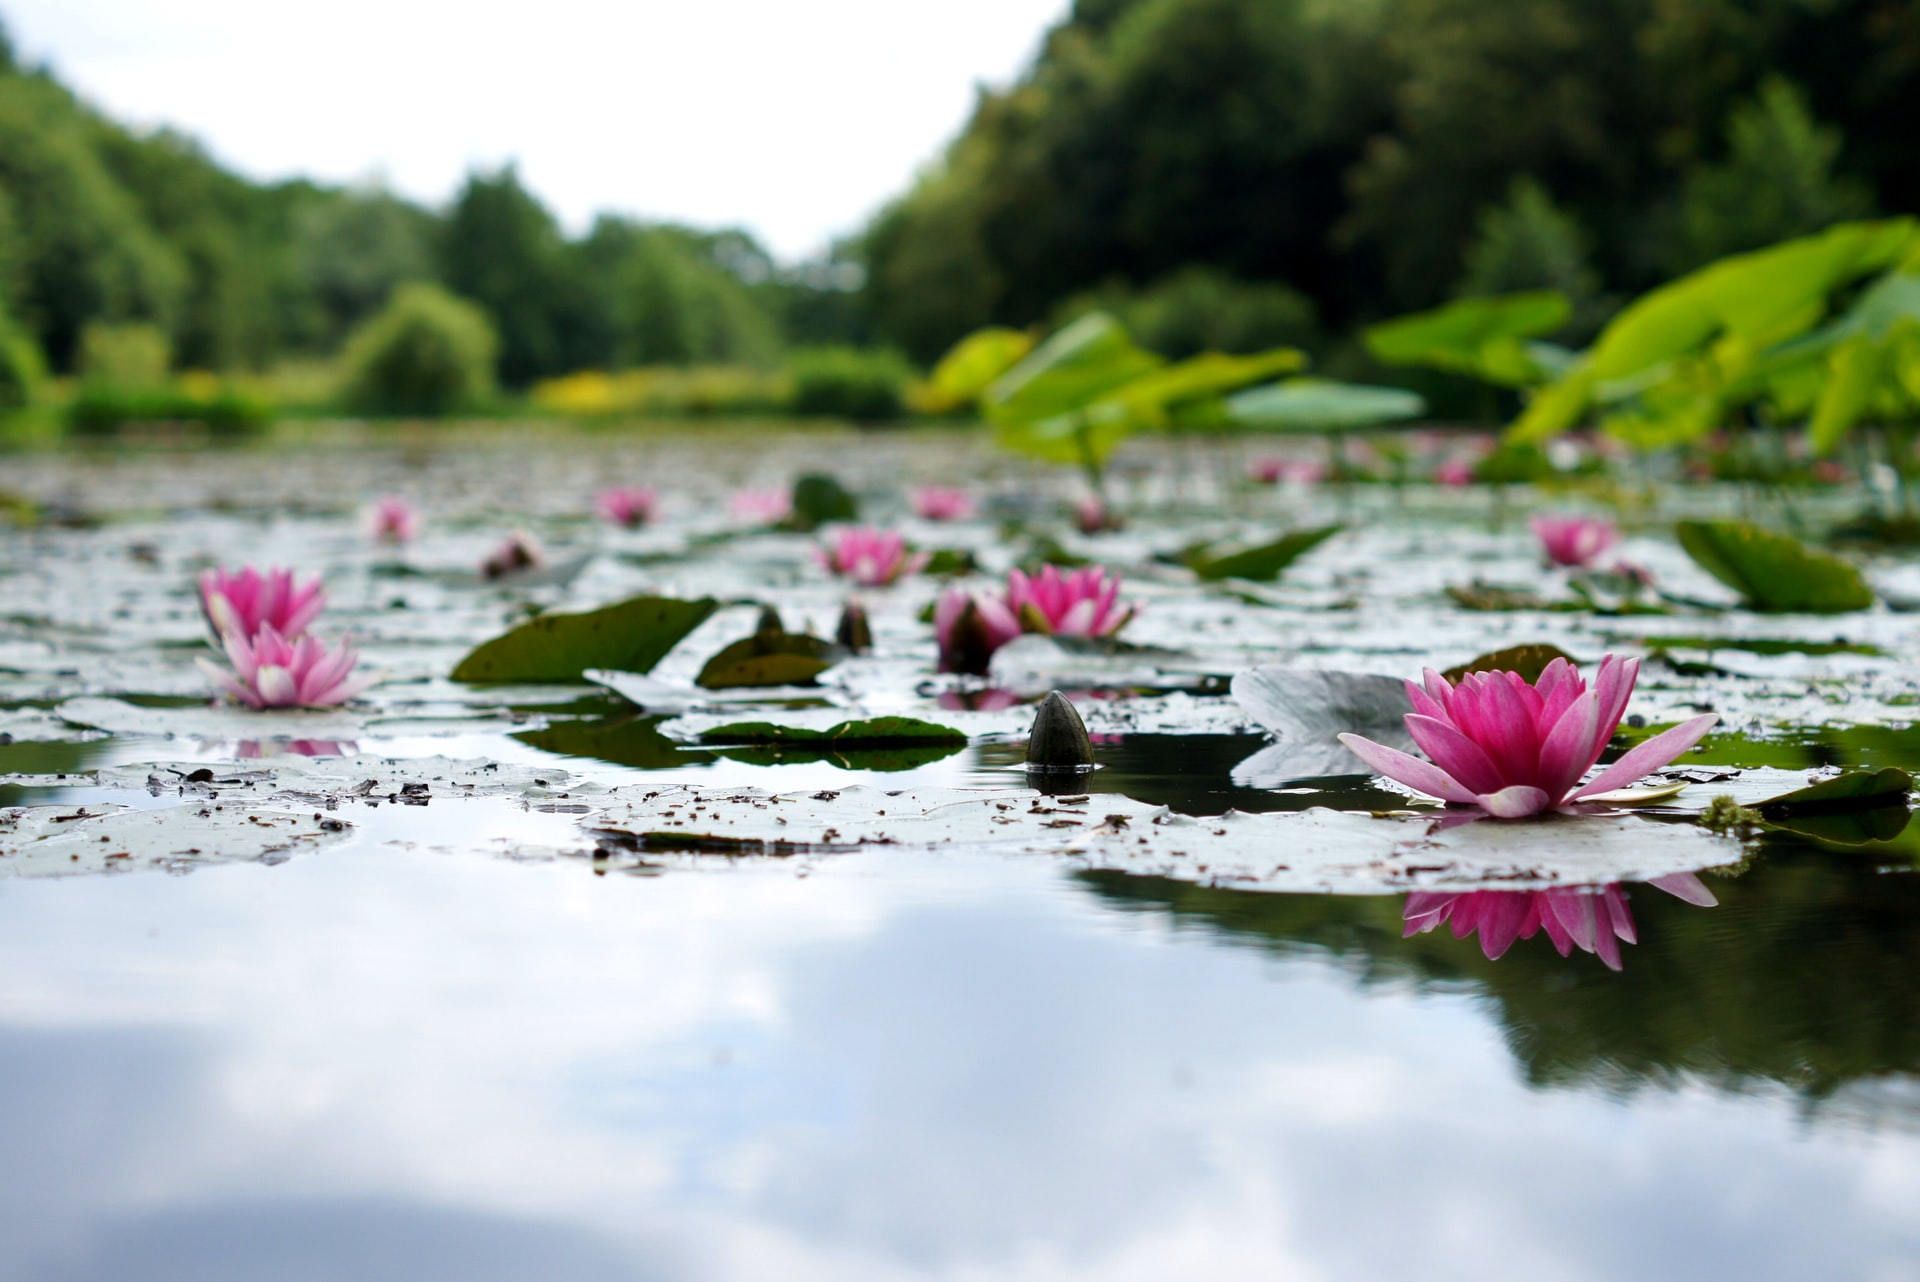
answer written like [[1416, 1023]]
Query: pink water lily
[[1079, 603], [1273, 469], [1594, 919], [391, 519], [517, 552], [872, 558], [970, 626], [1574, 540], [272, 672], [627, 505], [942, 503], [761, 507], [1091, 516], [243, 602], [1515, 749], [1454, 472]]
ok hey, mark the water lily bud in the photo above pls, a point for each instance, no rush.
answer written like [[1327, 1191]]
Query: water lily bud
[[1059, 741], [854, 632]]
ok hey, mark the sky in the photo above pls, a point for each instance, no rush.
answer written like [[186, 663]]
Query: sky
[[796, 119]]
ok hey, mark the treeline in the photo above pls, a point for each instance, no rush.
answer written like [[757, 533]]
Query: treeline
[[142, 235], [1240, 173]]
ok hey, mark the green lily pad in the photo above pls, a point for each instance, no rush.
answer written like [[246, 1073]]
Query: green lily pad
[[881, 760], [1261, 563], [876, 732], [1528, 660], [1773, 572], [631, 636], [1854, 790], [818, 498], [621, 741], [1848, 828], [769, 659]]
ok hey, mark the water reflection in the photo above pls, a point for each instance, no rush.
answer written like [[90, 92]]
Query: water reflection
[[1594, 919], [251, 749]]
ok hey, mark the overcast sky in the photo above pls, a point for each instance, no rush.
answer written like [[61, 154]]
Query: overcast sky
[[793, 118]]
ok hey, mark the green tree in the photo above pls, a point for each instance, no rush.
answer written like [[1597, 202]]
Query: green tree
[[426, 353], [352, 250], [503, 250]]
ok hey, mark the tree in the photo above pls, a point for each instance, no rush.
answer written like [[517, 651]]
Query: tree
[[503, 250]]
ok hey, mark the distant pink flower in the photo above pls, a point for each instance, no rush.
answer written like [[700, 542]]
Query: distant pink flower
[[970, 626], [761, 507], [1080, 603], [942, 503], [1593, 919], [247, 600], [1515, 749], [627, 505], [518, 551], [1574, 540], [1830, 472], [1267, 470], [272, 672], [872, 558], [1091, 516], [1454, 472], [989, 700], [391, 519]]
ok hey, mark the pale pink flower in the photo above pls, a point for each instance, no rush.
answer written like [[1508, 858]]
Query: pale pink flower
[[970, 626], [1574, 540], [518, 551], [1092, 516], [1454, 472], [761, 507], [942, 503], [872, 558], [1593, 919], [1274, 470], [391, 519], [1080, 603], [247, 600], [1515, 749], [627, 505], [250, 748], [272, 672]]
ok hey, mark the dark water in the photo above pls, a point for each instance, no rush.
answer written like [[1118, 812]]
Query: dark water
[[389, 1062]]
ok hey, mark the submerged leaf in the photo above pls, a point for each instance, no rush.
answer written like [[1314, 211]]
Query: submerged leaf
[[631, 636], [1774, 572]]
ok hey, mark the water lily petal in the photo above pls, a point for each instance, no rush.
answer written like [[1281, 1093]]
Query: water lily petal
[[1401, 767], [1516, 802], [1687, 886], [1650, 756], [1453, 752]]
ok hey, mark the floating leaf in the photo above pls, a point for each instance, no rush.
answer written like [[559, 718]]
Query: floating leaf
[[631, 636], [769, 659], [875, 732], [1774, 572], [818, 498], [1307, 709], [623, 741], [1854, 790], [1261, 563], [1528, 660]]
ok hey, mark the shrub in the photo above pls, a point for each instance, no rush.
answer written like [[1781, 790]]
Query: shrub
[[426, 353], [124, 356], [849, 382], [101, 408], [21, 368]]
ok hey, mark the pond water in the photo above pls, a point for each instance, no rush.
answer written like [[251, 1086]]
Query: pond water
[[276, 1024]]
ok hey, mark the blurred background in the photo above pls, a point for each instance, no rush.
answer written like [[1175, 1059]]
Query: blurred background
[[234, 211]]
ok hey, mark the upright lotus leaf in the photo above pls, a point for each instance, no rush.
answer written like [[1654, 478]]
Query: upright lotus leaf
[[972, 366], [631, 636], [1320, 405], [1773, 572], [1069, 373], [819, 498], [1728, 313], [1258, 564], [1483, 338], [1187, 394]]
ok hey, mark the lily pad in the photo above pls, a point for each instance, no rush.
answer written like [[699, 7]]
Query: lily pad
[[1528, 660], [819, 498], [1773, 572], [769, 659], [1307, 709], [631, 636], [876, 732], [1261, 563], [1854, 790]]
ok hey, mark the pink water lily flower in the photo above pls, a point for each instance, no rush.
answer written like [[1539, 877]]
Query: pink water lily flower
[[517, 552], [272, 672], [942, 503], [761, 507], [1515, 749], [1273, 469], [391, 519], [1091, 516], [970, 626], [627, 505], [1456, 473], [243, 602], [1593, 919], [872, 558], [1080, 603], [1574, 540]]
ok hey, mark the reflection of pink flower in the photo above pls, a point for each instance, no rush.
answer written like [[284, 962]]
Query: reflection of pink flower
[[970, 626], [942, 503], [247, 749], [1574, 540], [1080, 603], [1593, 919], [391, 519], [272, 672], [242, 603], [1515, 749], [1454, 472], [518, 551], [993, 700], [761, 507], [627, 505], [1272, 470], [872, 558]]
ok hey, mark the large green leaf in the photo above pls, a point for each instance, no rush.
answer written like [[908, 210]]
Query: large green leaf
[[1160, 395], [1319, 405], [1483, 338], [769, 658], [1774, 572], [1261, 563], [1854, 790], [629, 637], [1528, 660], [819, 498], [1069, 372], [973, 364], [874, 732]]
